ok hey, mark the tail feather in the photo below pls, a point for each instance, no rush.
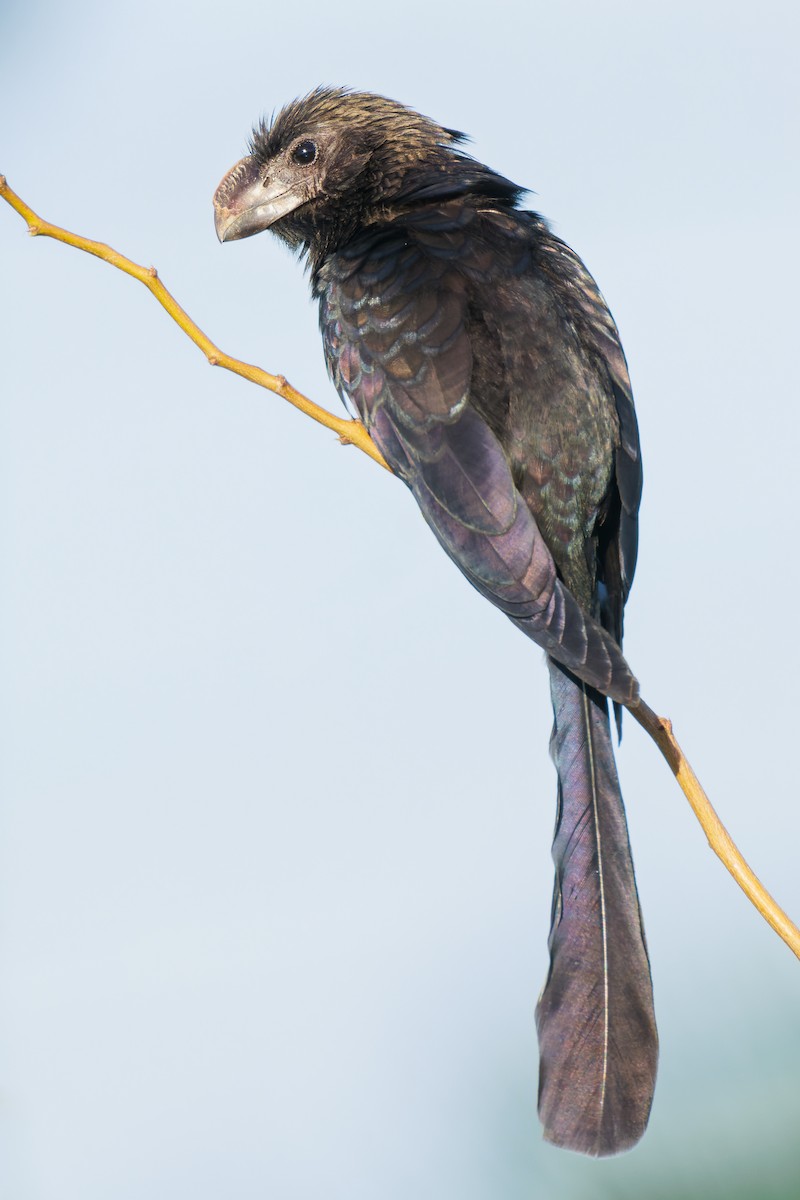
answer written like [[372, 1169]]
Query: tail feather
[[597, 1034]]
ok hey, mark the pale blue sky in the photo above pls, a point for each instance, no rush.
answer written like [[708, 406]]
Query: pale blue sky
[[275, 835]]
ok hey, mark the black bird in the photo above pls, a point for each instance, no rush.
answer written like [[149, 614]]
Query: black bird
[[481, 356]]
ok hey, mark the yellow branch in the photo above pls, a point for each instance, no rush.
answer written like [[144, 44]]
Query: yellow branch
[[720, 841], [353, 433], [349, 432]]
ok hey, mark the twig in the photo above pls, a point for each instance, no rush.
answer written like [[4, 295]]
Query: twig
[[354, 433], [720, 841], [349, 432]]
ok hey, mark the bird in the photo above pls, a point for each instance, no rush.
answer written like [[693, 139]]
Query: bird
[[484, 362]]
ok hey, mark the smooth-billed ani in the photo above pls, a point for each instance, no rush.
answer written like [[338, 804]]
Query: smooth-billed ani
[[482, 358]]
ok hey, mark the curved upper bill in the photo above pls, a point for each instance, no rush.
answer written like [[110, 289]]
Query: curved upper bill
[[245, 202]]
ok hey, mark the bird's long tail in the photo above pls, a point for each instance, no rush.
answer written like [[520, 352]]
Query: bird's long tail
[[597, 1033]]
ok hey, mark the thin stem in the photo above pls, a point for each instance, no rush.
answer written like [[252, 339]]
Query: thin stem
[[350, 433], [354, 433], [720, 841]]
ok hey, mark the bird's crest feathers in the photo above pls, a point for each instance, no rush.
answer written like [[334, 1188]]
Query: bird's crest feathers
[[361, 110]]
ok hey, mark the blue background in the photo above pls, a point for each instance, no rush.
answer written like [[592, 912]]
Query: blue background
[[277, 806]]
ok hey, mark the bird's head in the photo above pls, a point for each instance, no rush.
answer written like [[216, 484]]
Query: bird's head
[[336, 160]]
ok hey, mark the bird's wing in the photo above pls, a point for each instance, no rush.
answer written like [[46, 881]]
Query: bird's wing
[[393, 313], [600, 336]]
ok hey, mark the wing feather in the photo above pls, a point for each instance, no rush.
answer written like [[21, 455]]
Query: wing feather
[[396, 333]]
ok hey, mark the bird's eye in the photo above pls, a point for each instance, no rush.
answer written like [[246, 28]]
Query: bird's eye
[[304, 153]]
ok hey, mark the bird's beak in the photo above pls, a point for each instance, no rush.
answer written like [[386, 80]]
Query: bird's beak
[[245, 202]]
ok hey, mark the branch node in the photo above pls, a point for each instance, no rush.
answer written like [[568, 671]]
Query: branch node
[[282, 382], [34, 229], [213, 360], [152, 272]]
